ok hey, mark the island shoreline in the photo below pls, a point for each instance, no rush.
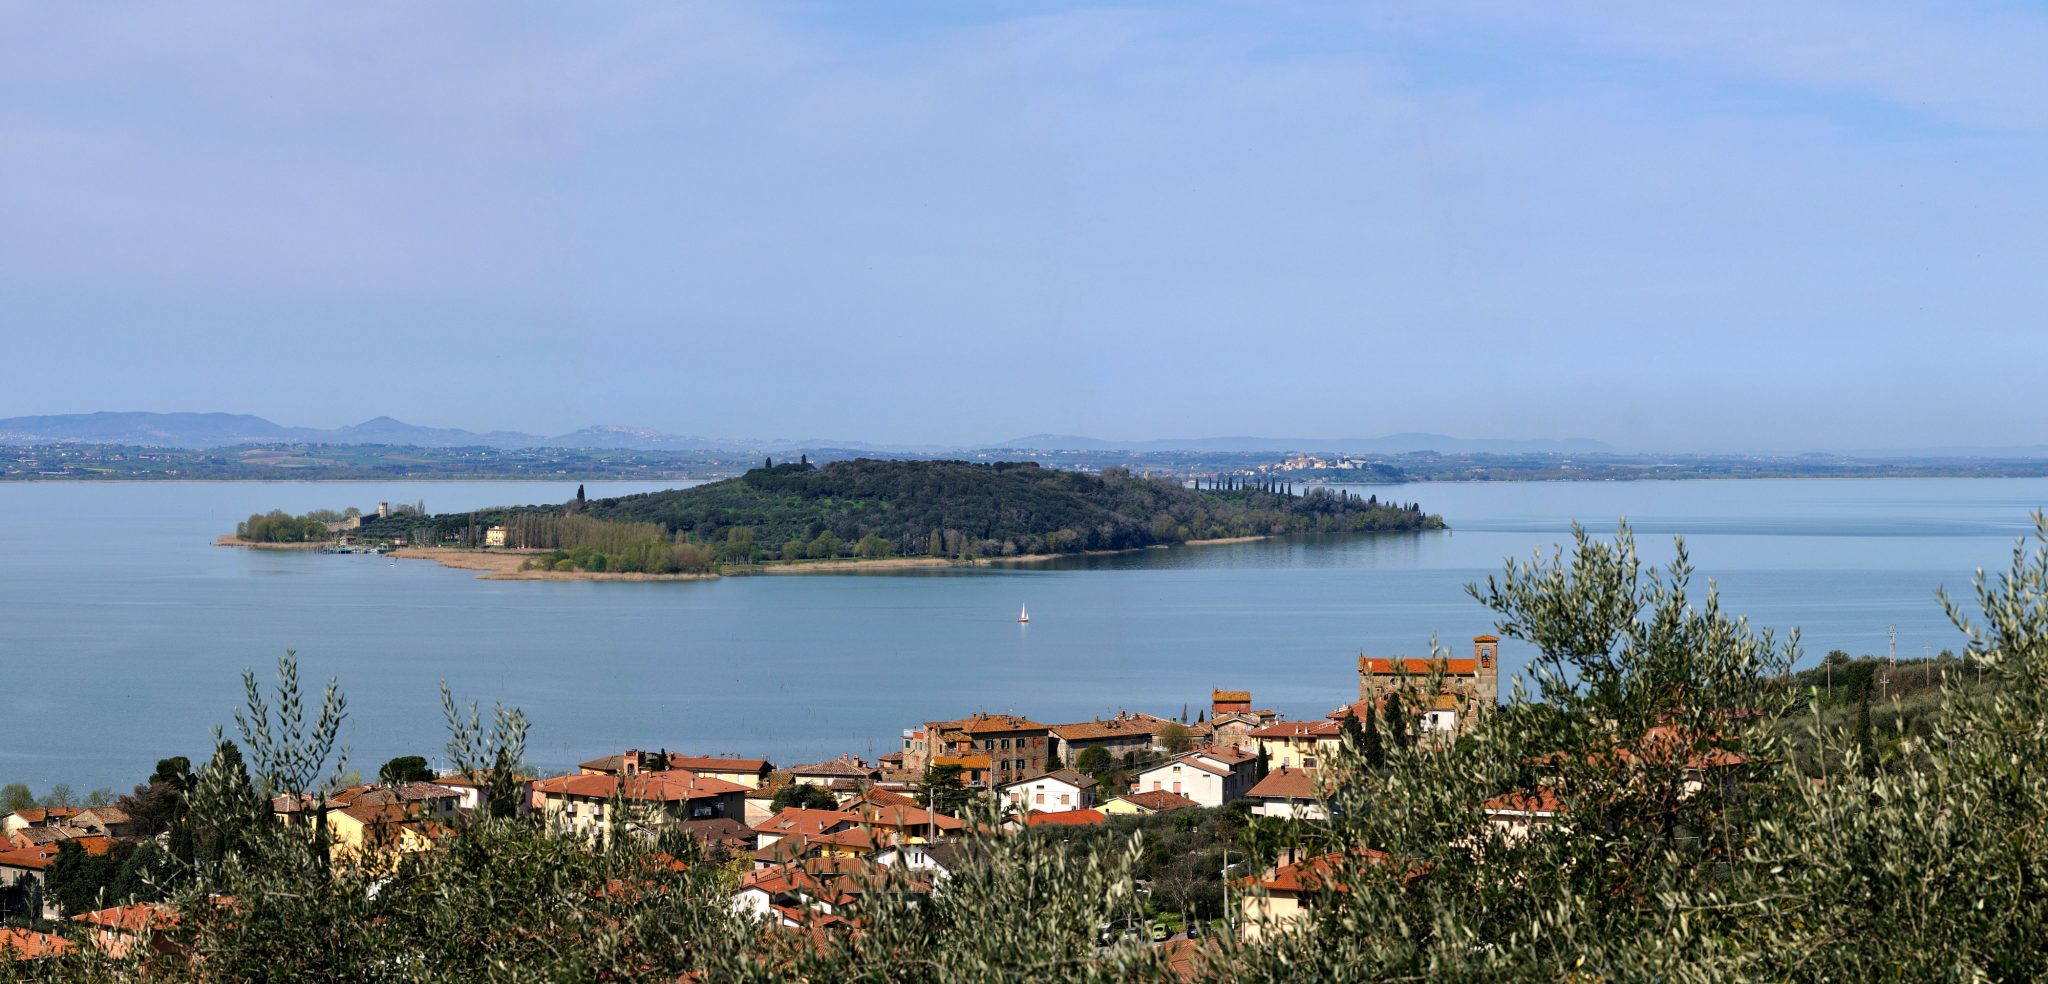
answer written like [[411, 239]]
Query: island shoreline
[[504, 565]]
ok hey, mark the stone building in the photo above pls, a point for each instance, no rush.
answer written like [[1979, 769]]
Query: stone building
[[1468, 688]]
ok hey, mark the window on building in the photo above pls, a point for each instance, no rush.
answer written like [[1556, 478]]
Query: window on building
[[1041, 799], [1064, 799]]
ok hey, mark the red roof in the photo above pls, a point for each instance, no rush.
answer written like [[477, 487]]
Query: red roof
[[1286, 783], [791, 821], [905, 817], [646, 787], [1068, 818], [1543, 800], [1159, 800], [1417, 666], [32, 858], [27, 944], [132, 918], [1299, 729]]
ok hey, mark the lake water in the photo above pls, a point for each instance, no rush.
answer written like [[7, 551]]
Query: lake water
[[123, 631]]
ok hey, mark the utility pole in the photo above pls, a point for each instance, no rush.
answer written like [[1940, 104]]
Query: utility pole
[[1891, 633]]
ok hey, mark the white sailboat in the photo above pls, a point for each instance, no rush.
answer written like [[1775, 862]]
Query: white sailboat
[[1023, 614]]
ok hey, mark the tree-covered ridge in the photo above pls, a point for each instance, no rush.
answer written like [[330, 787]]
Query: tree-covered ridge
[[956, 508]]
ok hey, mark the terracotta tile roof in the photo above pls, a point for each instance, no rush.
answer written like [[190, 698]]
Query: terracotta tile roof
[[1068, 818], [35, 815], [1299, 729], [645, 787], [1158, 800], [1542, 801], [1661, 746], [843, 766], [27, 944], [878, 796], [987, 724], [720, 830], [1313, 874], [132, 918], [1417, 666], [791, 821], [1285, 783], [799, 846], [903, 817], [834, 881], [1121, 726], [1228, 754], [29, 858], [1068, 776], [376, 813], [31, 836], [101, 816]]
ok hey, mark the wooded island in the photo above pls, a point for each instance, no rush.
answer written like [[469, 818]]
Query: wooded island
[[877, 510]]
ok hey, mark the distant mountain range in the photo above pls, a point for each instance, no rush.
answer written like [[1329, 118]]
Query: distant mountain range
[[213, 430], [1389, 444]]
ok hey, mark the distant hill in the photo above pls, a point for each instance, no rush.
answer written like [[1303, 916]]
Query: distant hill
[[1389, 444], [986, 509]]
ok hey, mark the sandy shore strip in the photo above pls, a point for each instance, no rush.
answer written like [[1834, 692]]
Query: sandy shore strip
[[503, 565], [231, 540]]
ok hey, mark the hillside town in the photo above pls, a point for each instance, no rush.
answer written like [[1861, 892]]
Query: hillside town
[[804, 841]]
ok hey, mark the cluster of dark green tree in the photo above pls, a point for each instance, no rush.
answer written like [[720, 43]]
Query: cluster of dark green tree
[[868, 507], [1686, 845]]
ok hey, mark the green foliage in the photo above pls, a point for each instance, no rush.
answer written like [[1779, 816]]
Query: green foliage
[[227, 814], [81, 881], [491, 756], [277, 526], [16, 796], [804, 796], [403, 769], [1175, 738], [637, 557], [944, 788], [1094, 760], [955, 508]]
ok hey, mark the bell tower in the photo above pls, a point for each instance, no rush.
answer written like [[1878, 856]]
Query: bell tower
[[1486, 653]]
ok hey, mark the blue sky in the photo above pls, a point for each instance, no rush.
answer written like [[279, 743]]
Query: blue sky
[[1728, 225]]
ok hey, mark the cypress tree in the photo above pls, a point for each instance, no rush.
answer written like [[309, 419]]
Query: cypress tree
[[1397, 720], [1375, 750]]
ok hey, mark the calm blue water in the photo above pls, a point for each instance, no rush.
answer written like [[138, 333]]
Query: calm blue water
[[123, 632]]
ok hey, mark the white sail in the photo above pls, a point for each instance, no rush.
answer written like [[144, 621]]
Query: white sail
[[1023, 614]]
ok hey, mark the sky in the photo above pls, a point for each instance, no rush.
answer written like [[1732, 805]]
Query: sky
[[1744, 224]]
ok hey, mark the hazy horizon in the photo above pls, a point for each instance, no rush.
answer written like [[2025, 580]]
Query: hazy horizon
[[1665, 227]]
